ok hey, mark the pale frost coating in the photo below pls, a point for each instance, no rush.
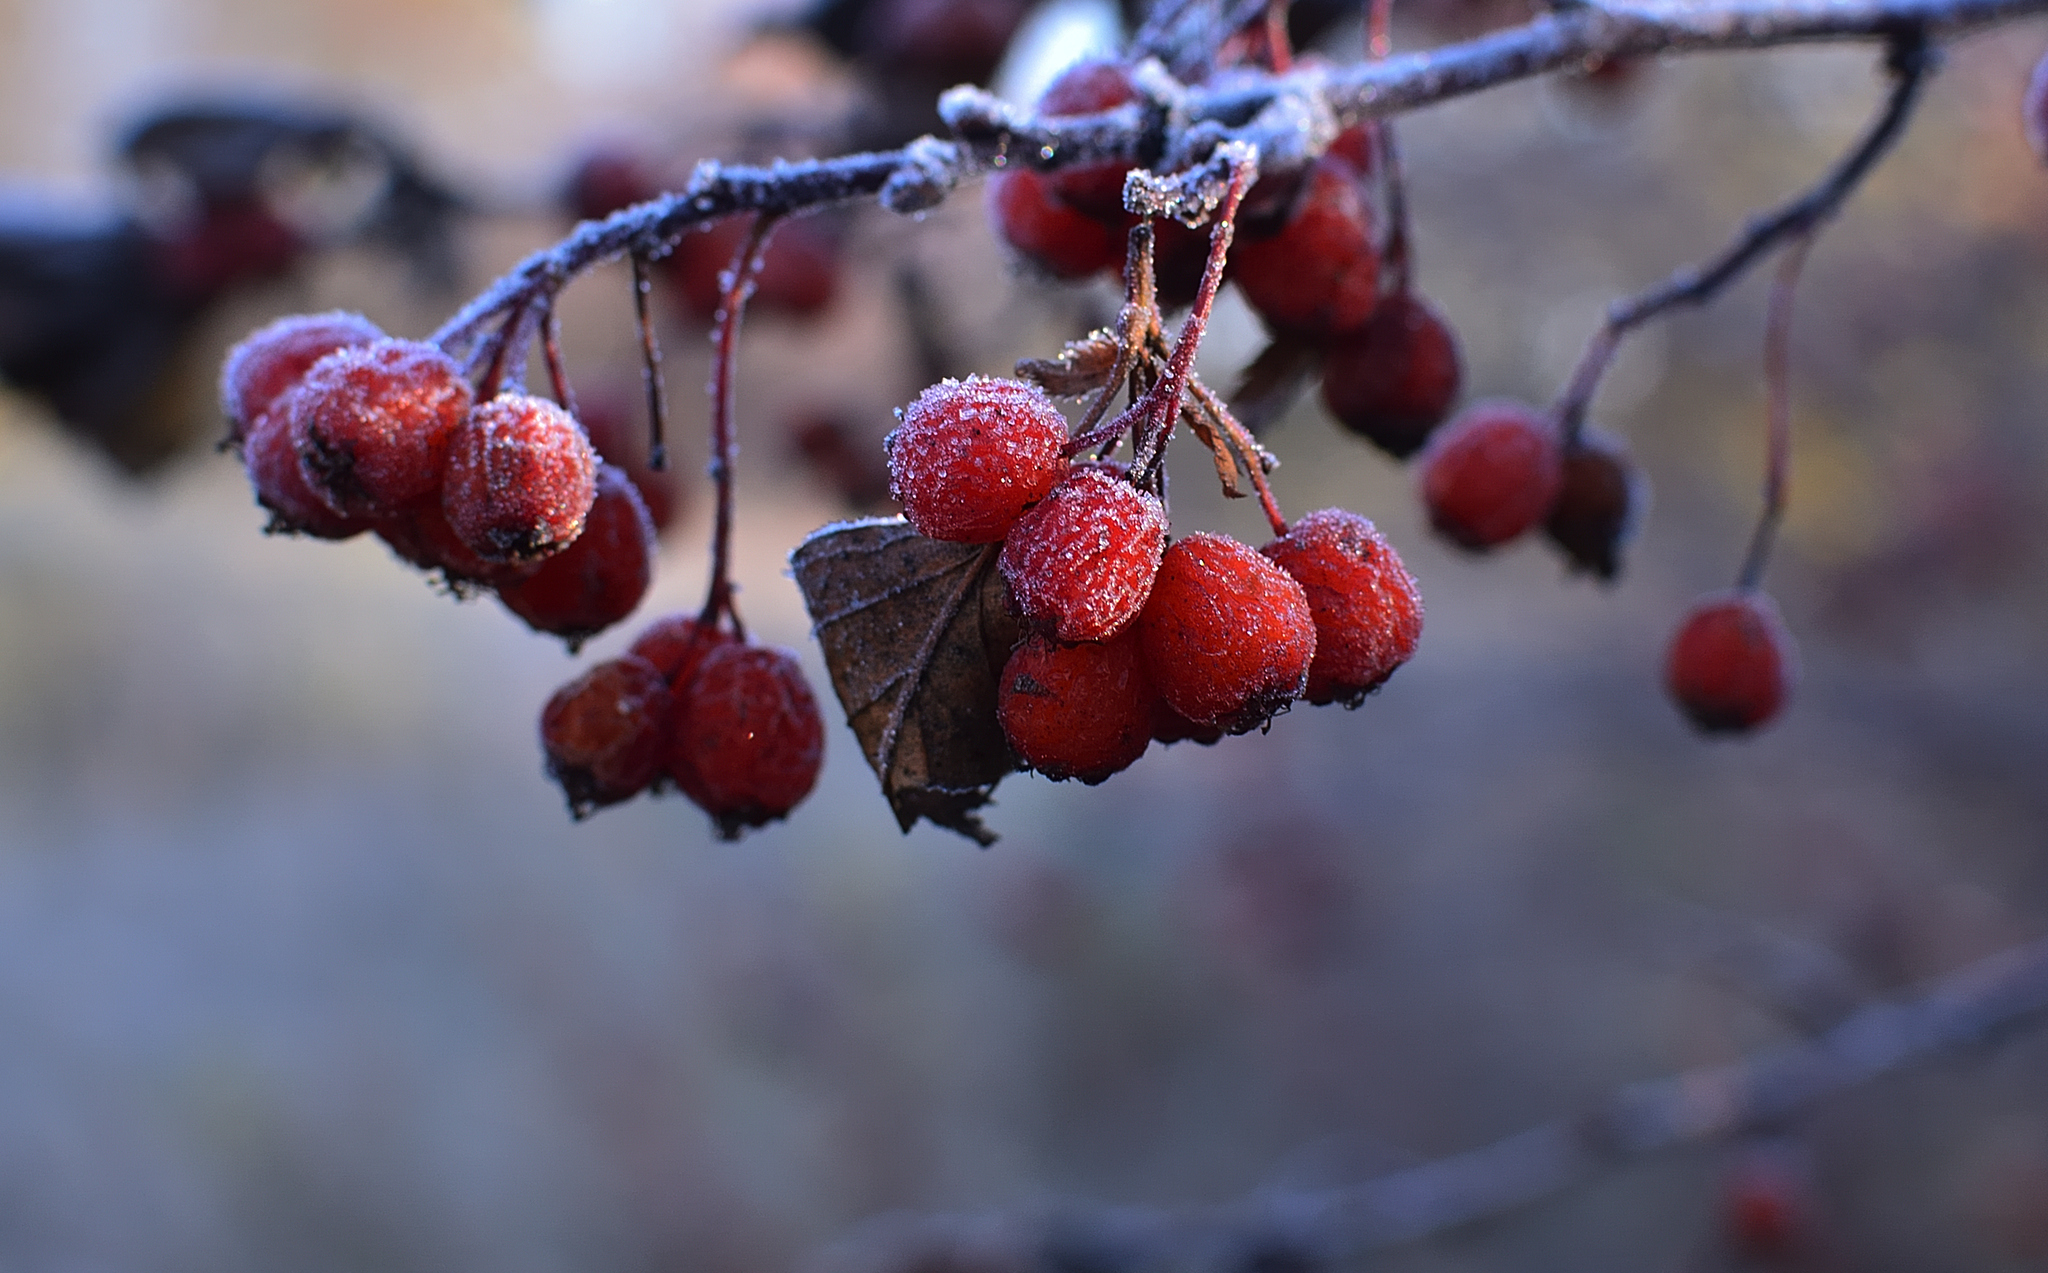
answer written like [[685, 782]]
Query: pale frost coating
[[520, 480], [1081, 563], [372, 423], [971, 455]]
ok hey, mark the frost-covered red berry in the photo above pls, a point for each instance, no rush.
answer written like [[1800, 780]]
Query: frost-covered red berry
[[1228, 636], [272, 359], [677, 643], [1320, 274], [601, 577], [1368, 614], [520, 478], [1080, 564], [971, 455], [1062, 241], [1076, 711], [372, 423], [605, 734], [280, 484], [1491, 474], [748, 740], [1732, 663], [1393, 380], [1598, 505]]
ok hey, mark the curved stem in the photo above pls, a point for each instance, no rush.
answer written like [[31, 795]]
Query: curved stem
[[1777, 411], [738, 286]]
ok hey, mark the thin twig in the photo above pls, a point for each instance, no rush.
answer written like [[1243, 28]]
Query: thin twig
[[650, 366], [1777, 411], [738, 282]]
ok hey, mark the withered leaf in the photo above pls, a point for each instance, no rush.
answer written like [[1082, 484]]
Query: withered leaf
[[1083, 366], [1270, 385], [915, 632]]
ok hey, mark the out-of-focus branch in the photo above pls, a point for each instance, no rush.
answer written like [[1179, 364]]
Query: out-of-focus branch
[[1974, 1007], [1289, 117]]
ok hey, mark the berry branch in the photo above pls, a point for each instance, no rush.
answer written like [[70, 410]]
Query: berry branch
[[1777, 411], [1975, 1007], [739, 285]]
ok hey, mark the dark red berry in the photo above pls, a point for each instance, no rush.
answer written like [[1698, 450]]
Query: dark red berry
[[1393, 380], [843, 458], [280, 484], [676, 644], [1491, 474], [1368, 614], [1228, 636], [1062, 241], [1355, 146], [799, 272], [605, 734], [1320, 274], [420, 534], [272, 359], [748, 740], [1732, 662], [520, 479], [607, 179], [601, 577], [372, 423], [1076, 711], [1095, 190], [944, 41], [1081, 563], [1598, 505], [971, 455]]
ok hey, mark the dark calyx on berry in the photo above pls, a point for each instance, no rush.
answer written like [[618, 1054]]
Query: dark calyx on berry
[[1076, 711], [605, 733], [971, 455], [373, 423], [1732, 663], [521, 477], [601, 577], [748, 740], [1368, 613], [1599, 504], [280, 484], [265, 365], [1228, 636], [1491, 474], [1394, 380]]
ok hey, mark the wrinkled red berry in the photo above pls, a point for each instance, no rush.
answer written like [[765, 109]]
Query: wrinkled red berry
[[605, 733], [272, 359], [1080, 564], [280, 484], [748, 740], [520, 478], [372, 423], [1320, 274], [971, 455], [1228, 636], [676, 644], [1062, 241], [1491, 474], [1095, 190], [597, 580], [1732, 663], [1368, 614], [1076, 711], [1393, 380], [1598, 505]]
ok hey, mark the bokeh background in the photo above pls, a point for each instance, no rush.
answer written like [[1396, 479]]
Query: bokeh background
[[303, 965]]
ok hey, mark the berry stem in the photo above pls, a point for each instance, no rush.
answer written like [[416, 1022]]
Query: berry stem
[[1379, 29], [1279, 49], [1777, 411], [650, 367], [558, 372], [1908, 57], [725, 338], [1136, 322]]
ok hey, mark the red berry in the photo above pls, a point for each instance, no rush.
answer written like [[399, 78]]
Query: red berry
[[971, 455], [280, 484], [1320, 274], [1228, 636], [1393, 380], [677, 643], [606, 732], [1355, 146], [1598, 504], [372, 423], [1491, 474], [748, 739], [1080, 564], [520, 478], [272, 359], [606, 180], [420, 534], [1077, 711], [839, 454], [597, 580], [1095, 190], [1060, 240], [1732, 663], [799, 271], [1368, 614]]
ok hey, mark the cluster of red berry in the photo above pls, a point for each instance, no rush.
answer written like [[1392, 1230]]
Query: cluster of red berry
[[734, 726], [344, 430], [1129, 639]]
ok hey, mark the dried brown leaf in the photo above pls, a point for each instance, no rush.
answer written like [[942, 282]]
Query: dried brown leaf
[[915, 632], [1083, 366]]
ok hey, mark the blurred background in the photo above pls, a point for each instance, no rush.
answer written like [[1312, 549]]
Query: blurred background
[[303, 964]]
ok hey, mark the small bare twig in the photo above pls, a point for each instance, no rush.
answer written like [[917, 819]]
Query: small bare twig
[[1777, 411], [650, 366], [738, 284]]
